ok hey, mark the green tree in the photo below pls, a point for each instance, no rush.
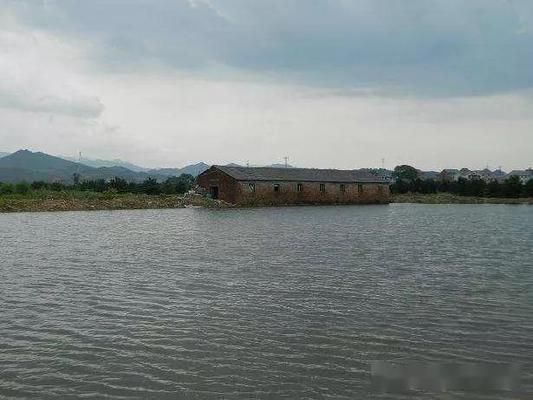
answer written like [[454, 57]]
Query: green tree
[[6, 188], [57, 186], [150, 186], [494, 188], [528, 188], [22, 188], [119, 184], [76, 178], [405, 173], [39, 185], [512, 186]]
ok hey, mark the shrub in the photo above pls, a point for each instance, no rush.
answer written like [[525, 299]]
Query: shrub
[[6, 188], [22, 188]]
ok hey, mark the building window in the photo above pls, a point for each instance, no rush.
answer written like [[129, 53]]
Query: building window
[[276, 187], [323, 187], [360, 189], [342, 188], [251, 187], [299, 188]]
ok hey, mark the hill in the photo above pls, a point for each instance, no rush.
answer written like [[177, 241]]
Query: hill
[[28, 166], [194, 170], [2, 154], [98, 163]]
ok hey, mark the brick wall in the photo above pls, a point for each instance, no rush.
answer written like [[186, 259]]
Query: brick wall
[[263, 193], [288, 193], [228, 188]]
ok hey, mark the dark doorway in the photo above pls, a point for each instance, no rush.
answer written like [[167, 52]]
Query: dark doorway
[[214, 192]]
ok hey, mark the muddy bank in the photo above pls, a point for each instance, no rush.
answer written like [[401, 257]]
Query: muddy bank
[[103, 201]]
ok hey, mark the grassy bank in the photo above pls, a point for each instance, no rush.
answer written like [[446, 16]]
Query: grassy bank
[[448, 198], [38, 201]]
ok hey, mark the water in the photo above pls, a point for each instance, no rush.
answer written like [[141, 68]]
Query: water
[[260, 303]]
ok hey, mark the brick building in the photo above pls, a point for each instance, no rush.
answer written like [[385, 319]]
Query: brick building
[[271, 186]]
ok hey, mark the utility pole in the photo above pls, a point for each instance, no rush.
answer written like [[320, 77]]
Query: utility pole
[[286, 158]]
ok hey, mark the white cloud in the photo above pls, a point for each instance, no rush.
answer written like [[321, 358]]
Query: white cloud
[[42, 73]]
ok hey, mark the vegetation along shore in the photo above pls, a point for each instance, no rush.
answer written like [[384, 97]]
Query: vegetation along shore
[[116, 194], [44, 200], [176, 192], [449, 198]]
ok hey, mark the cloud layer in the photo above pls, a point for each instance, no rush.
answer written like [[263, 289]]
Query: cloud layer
[[418, 47], [36, 71], [343, 84]]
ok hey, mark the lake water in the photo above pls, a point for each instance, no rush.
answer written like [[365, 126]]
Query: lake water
[[260, 303]]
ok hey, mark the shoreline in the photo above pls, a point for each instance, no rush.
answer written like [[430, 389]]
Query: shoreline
[[448, 198], [104, 201], [112, 201]]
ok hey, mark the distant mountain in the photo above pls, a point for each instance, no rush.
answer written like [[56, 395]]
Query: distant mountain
[[194, 170], [26, 159], [264, 166], [28, 166], [98, 163], [279, 166], [3, 154]]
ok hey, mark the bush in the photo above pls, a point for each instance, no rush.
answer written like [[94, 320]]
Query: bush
[[39, 185], [57, 187], [512, 187], [22, 188], [528, 188], [6, 188]]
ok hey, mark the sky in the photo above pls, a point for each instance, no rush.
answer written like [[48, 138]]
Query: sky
[[328, 83]]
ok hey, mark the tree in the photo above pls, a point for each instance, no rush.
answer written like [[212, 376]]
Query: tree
[[405, 173], [528, 188], [39, 185], [476, 187], [57, 186], [76, 178], [6, 188], [494, 189], [512, 186], [22, 188], [150, 186], [119, 184]]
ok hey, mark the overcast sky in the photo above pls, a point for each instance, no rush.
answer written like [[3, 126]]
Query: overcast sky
[[329, 83]]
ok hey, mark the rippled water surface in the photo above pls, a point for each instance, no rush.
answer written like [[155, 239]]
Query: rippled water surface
[[259, 303]]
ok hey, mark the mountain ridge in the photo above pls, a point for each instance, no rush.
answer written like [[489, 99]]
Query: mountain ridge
[[25, 165]]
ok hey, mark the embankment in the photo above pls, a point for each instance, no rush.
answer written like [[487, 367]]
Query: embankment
[[87, 201], [448, 198]]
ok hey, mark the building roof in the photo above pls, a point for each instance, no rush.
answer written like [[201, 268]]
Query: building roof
[[527, 172], [299, 174]]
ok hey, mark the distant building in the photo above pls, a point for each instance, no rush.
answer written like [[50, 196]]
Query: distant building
[[453, 175], [524, 175], [283, 186]]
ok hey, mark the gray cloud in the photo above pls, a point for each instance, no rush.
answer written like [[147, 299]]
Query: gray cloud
[[79, 106], [418, 47]]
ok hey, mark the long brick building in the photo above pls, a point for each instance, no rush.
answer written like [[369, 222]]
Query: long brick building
[[271, 186]]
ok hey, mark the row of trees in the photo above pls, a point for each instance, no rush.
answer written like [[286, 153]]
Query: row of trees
[[174, 185], [407, 180], [511, 187]]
